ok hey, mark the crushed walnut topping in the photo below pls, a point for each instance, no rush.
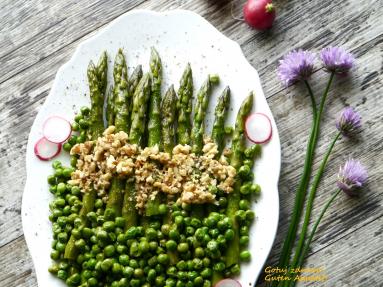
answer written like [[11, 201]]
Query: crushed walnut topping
[[193, 178]]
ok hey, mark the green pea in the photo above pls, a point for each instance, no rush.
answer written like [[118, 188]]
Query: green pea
[[206, 273], [219, 266], [152, 261], [250, 215], [174, 234], [206, 239], [195, 222], [116, 268], [55, 254], [181, 265], [106, 264], [235, 270], [244, 240], [121, 249], [60, 247], [131, 233], [73, 161], [160, 281], [133, 263], [91, 216], [67, 172], [92, 282], [138, 273], [162, 209], [255, 189], [62, 274], [244, 230], [108, 226], [199, 234], [109, 250], [190, 230], [151, 233], [127, 272], [98, 203], [163, 259], [229, 234], [183, 247], [171, 245], [80, 244], [53, 269], [182, 275], [51, 179], [246, 188], [67, 147], [134, 249], [153, 245], [212, 246], [61, 188], [244, 204], [135, 283], [245, 256], [214, 232], [187, 220], [240, 215], [151, 276], [124, 259], [179, 220], [170, 282], [222, 202], [84, 124], [198, 281], [165, 228], [78, 117], [143, 246], [81, 138], [85, 110]]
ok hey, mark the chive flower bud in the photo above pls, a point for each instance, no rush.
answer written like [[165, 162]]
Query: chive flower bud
[[351, 177], [349, 122]]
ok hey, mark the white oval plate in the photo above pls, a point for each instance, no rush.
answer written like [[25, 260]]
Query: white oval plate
[[180, 37]]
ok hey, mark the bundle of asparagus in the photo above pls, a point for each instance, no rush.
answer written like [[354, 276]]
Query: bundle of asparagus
[[109, 243]]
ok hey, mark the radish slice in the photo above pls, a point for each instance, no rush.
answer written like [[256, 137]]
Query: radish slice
[[228, 283], [258, 128], [46, 150], [57, 129]]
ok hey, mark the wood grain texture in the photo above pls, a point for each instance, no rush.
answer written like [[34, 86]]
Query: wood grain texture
[[37, 37]]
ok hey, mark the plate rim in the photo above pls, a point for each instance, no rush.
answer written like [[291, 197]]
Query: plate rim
[[92, 38]]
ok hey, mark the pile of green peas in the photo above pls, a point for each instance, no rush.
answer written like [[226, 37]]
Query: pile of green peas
[[80, 125], [184, 251]]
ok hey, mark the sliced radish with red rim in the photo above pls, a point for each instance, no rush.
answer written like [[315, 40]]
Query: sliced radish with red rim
[[57, 129], [258, 128], [46, 150], [228, 283]]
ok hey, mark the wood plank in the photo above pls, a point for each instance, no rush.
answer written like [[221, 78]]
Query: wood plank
[[16, 265], [51, 39], [353, 260]]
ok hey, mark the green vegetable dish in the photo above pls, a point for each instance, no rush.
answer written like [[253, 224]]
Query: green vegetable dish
[[150, 198]]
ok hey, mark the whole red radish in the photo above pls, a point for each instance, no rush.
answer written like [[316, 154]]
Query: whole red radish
[[259, 14]]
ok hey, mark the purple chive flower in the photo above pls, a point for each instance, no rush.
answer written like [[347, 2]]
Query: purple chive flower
[[337, 60], [296, 66], [349, 122], [351, 177]]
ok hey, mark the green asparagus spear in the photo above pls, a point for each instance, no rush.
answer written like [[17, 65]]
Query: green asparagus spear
[[97, 102], [236, 160], [137, 129], [154, 123], [184, 106], [110, 107], [102, 72], [121, 98], [220, 113], [138, 116], [95, 130], [168, 107], [198, 129], [134, 79], [121, 92]]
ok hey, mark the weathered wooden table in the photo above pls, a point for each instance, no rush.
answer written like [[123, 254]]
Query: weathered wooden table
[[37, 37]]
